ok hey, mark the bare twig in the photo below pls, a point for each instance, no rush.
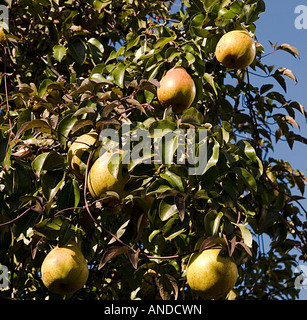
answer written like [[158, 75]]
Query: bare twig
[[17, 218]]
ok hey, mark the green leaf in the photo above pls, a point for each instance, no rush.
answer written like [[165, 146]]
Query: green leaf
[[64, 128], [99, 5], [246, 235], [69, 196], [174, 180], [279, 78], [77, 50], [51, 223], [192, 116], [38, 162], [53, 161], [209, 78], [226, 130], [43, 87], [76, 187], [214, 157], [174, 228], [169, 146], [37, 123], [66, 232], [58, 52], [119, 74], [198, 20], [171, 53], [212, 222], [47, 161], [265, 88], [247, 177], [236, 7], [252, 14], [132, 40], [209, 3], [248, 150], [225, 17], [55, 227], [139, 156], [86, 85], [163, 41], [158, 187], [120, 231], [52, 182], [153, 234], [97, 44], [97, 50], [19, 181], [167, 208]]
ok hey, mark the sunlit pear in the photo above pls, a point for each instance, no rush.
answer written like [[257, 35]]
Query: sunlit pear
[[177, 89], [210, 274], [64, 269], [78, 153], [236, 49], [101, 180]]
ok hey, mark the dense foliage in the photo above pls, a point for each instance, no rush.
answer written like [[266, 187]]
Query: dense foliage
[[72, 66]]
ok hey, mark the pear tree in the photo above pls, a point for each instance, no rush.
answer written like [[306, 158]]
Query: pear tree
[[99, 148]]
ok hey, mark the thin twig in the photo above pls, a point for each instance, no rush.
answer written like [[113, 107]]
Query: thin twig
[[17, 218]]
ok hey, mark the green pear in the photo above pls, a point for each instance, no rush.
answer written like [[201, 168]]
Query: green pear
[[236, 49], [64, 269], [100, 179], [210, 274], [78, 153]]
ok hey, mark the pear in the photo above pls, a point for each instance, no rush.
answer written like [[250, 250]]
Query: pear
[[236, 49], [149, 286], [177, 89], [210, 274], [78, 153], [64, 269], [100, 180]]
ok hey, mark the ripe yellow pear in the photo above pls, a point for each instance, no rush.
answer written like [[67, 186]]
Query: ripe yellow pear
[[177, 89], [236, 49], [210, 274], [100, 180], [64, 269], [78, 153]]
